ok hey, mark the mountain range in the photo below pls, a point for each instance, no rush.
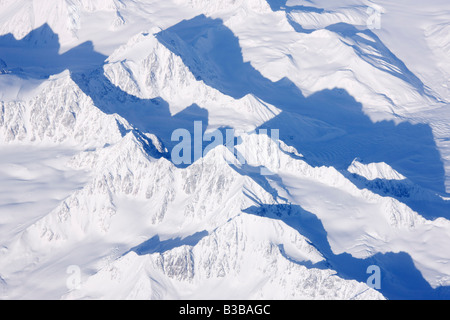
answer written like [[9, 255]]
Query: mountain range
[[319, 139]]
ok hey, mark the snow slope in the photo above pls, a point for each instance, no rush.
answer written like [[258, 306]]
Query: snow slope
[[91, 92]]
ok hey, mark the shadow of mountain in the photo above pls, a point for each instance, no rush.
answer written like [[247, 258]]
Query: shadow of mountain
[[147, 115], [428, 203], [364, 42], [155, 244], [329, 127], [255, 174], [280, 5], [37, 56], [371, 49], [400, 279]]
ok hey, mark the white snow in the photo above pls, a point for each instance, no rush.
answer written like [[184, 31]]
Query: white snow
[[34, 181], [91, 91], [374, 171]]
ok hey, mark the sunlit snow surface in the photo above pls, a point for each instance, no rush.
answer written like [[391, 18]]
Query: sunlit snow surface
[[93, 207], [34, 181]]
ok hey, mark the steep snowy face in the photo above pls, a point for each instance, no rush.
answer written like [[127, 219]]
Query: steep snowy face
[[147, 69], [374, 224], [135, 194], [283, 97], [250, 267], [60, 113], [374, 171]]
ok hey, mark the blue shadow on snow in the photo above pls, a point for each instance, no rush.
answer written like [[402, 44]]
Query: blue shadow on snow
[[400, 278]]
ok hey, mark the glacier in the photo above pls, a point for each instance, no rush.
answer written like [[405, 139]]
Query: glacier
[[92, 91]]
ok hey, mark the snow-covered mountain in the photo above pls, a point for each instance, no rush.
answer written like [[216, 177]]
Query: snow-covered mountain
[[340, 112]]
